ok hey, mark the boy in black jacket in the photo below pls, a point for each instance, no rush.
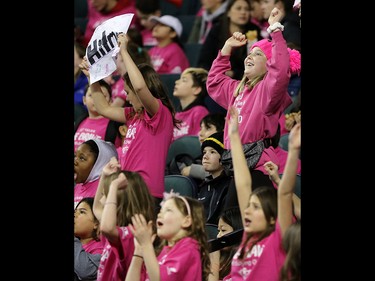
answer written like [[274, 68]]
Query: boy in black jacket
[[212, 192]]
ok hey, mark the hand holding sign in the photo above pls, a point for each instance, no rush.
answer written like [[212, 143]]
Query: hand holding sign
[[102, 48]]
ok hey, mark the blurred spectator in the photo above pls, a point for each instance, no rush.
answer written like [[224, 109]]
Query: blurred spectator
[[191, 91], [102, 10], [80, 79], [168, 55], [291, 270], [258, 19], [145, 9], [290, 21], [93, 125], [210, 13]]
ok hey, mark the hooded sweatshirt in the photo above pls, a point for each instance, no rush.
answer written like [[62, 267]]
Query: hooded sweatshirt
[[107, 150]]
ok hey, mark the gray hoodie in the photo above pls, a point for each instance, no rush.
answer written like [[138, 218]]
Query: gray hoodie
[[107, 150]]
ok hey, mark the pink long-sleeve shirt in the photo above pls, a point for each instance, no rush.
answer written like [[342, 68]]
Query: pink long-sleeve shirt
[[259, 108]]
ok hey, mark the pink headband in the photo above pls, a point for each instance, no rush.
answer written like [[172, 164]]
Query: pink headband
[[173, 194]]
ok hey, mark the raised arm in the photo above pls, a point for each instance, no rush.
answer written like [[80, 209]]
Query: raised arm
[[99, 199], [143, 242], [273, 171], [149, 102], [102, 106], [288, 181], [242, 175], [236, 40], [108, 224]]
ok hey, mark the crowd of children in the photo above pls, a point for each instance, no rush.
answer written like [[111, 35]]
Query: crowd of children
[[126, 226]]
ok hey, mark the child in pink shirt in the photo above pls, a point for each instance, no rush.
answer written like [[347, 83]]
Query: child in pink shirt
[[149, 121], [266, 213], [120, 195], [260, 97], [93, 125], [145, 9], [89, 160], [184, 250], [168, 55], [88, 246], [191, 90]]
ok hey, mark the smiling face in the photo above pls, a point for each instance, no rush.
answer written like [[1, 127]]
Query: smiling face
[[255, 63]]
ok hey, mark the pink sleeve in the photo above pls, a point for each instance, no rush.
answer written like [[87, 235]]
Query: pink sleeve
[[275, 83], [221, 87], [179, 62]]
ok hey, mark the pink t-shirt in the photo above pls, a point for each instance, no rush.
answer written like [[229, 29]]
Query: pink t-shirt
[[118, 90], [169, 59], [82, 190], [182, 262], [145, 146], [191, 120], [95, 18], [94, 247], [91, 128], [148, 40], [263, 262], [259, 108], [115, 261]]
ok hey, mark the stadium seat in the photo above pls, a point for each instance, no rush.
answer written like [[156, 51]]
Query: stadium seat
[[81, 23], [192, 51], [283, 142], [181, 184], [184, 145], [80, 8], [187, 22], [211, 230]]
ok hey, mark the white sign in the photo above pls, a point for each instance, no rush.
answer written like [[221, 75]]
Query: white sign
[[102, 49]]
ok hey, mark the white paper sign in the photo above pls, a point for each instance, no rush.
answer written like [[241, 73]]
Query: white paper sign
[[102, 49]]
